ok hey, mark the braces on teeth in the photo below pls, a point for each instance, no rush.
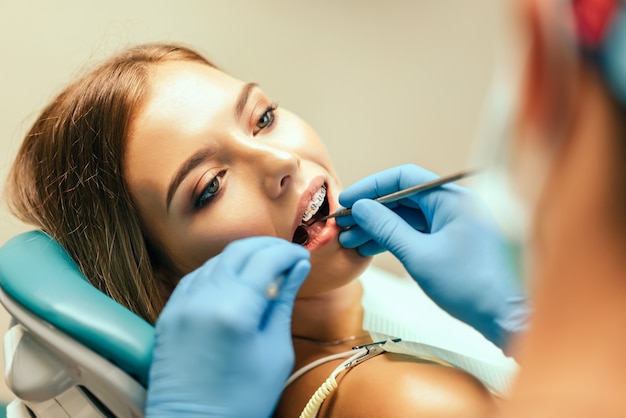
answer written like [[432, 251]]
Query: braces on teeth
[[315, 204]]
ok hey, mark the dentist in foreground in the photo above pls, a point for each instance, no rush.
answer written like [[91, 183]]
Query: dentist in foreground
[[566, 160]]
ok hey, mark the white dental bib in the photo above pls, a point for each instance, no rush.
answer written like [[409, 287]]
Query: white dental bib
[[396, 307]]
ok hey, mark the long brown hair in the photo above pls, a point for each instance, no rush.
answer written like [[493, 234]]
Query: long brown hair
[[67, 179]]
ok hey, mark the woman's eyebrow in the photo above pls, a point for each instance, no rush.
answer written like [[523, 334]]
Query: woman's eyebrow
[[243, 98], [202, 155], [190, 163]]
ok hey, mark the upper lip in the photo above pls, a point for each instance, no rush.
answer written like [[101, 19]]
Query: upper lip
[[305, 198]]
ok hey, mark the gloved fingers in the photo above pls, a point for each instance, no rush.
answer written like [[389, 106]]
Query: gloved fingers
[[406, 208], [277, 317], [370, 249], [413, 216], [385, 182], [345, 221], [438, 205], [237, 281], [252, 262], [353, 237], [388, 229], [214, 270], [238, 254], [292, 283], [271, 263], [357, 237], [265, 274]]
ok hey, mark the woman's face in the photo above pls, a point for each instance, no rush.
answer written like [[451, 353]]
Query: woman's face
[[210, 159]]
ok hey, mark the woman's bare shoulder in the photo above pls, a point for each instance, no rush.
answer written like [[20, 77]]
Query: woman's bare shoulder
[[392, 385]]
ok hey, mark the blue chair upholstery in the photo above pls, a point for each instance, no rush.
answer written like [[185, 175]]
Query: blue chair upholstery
[[36, 274]]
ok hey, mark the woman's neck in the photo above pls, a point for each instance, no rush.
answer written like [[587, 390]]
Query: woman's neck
[[330, 316]]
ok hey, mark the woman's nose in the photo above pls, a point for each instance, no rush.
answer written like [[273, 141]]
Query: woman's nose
[[278, 169]]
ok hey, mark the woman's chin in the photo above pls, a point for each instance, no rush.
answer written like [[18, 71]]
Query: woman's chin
[[334, 270]]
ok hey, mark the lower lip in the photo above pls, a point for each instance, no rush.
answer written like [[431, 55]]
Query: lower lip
[[323, 235]]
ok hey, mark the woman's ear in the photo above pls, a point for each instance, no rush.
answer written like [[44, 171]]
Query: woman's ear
[[547, 99], [548, 87]]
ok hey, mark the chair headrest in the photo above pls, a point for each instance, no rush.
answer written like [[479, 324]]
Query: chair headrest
[[38, 274]]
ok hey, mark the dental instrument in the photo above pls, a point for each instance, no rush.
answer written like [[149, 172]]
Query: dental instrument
[[400, 194], [274, 287]]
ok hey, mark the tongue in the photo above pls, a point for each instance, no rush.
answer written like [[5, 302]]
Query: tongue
[[314, 230]]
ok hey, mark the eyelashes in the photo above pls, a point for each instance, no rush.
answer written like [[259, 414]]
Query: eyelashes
[[266, 120], [210, 191]]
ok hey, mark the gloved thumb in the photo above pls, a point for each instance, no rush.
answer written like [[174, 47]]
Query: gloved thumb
[[388, 229], [279, 310]]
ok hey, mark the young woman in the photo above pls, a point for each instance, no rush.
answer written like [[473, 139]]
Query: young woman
[[155, 161]]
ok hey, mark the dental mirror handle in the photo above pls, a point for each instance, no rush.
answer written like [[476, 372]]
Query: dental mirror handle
[[401, 194]]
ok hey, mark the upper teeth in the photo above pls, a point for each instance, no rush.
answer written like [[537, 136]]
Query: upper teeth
[[314, 204]]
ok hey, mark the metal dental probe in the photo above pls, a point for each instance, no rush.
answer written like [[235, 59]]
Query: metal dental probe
[[401, 194]]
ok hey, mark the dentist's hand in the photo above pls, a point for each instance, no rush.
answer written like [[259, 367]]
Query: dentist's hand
[[223, 347], [446, 243]]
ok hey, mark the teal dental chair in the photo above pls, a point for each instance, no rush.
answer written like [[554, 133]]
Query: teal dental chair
[[70, 351]]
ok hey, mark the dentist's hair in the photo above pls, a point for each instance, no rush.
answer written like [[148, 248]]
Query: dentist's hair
[[68, 179]]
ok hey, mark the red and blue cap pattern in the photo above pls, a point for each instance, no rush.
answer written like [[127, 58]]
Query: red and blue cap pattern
[[600, 27]]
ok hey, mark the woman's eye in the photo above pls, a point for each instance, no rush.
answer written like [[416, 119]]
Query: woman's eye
[[209, 192], [266, 120]]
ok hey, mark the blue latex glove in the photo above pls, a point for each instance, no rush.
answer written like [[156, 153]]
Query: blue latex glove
[[223, 348], [446, 242]]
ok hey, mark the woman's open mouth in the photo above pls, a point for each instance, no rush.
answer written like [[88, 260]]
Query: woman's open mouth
[[317, 208]]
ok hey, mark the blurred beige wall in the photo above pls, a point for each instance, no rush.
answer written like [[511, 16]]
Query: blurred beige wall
[[383, 82]]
